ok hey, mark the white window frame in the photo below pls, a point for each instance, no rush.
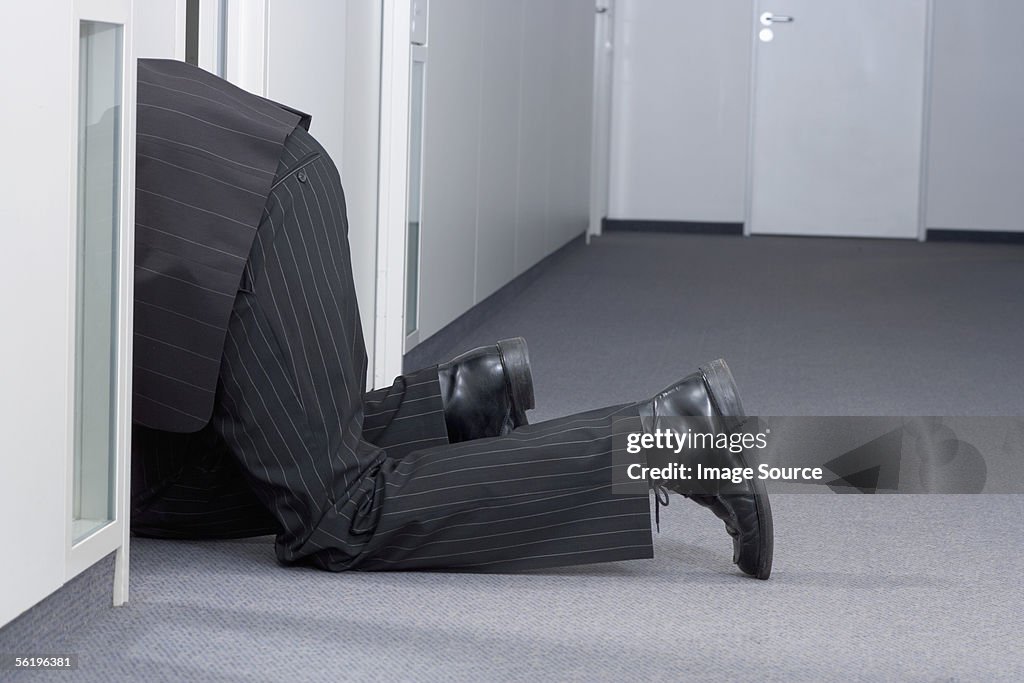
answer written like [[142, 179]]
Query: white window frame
[[114, 536], [417, 55], [396, 61]]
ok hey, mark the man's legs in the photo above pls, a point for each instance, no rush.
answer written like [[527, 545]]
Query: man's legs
[[539, 497], [290, 408], [407, 416], [189, 486]]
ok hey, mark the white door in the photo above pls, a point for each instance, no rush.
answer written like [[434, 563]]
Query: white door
[[65, 292], [837, 120]]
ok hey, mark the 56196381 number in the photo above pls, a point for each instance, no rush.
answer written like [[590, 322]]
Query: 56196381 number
[[38, 662]]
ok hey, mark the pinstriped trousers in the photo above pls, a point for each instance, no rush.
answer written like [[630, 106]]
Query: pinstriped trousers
[[190, 486], [349, 480]]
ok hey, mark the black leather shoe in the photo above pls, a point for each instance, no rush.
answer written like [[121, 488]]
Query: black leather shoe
[[709, 402], [487, 391]]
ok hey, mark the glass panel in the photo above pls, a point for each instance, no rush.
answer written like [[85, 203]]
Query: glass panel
[[99, 175], [412, 248]]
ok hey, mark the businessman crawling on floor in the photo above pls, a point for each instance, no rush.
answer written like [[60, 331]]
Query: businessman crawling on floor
[[250, 410]]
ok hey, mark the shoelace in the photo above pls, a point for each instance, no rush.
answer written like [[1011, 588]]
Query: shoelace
[[660, 498]]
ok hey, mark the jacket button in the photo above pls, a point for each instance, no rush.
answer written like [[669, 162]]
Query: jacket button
[[301, 175]]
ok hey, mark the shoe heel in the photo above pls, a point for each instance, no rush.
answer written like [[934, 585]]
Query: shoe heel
[[515, 357], [724, 393], [726, 397]]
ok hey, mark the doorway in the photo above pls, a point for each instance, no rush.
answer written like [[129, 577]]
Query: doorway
[[837, 118]]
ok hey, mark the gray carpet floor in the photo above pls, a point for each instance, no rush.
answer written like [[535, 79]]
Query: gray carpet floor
[[808, 326], [873, 588]]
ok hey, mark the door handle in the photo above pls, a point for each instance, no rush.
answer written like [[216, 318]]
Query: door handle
[[768, 19]]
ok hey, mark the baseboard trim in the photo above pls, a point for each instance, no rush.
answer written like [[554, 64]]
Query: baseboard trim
[[982, 236], [430, 350], [681, 227], [44, 627]]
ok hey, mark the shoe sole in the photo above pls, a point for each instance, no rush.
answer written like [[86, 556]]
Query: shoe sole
[[515, 359], [726, 398]]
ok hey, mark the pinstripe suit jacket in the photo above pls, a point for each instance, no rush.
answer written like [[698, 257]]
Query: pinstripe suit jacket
[[206, 156]]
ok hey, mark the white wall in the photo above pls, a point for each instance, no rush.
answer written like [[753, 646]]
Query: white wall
[[34, 291], [976, 147], [681, 102], [306, 64], [680, 119], [360, 147], [506, 144], [306, 58], [323, 57], [159, 29]]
